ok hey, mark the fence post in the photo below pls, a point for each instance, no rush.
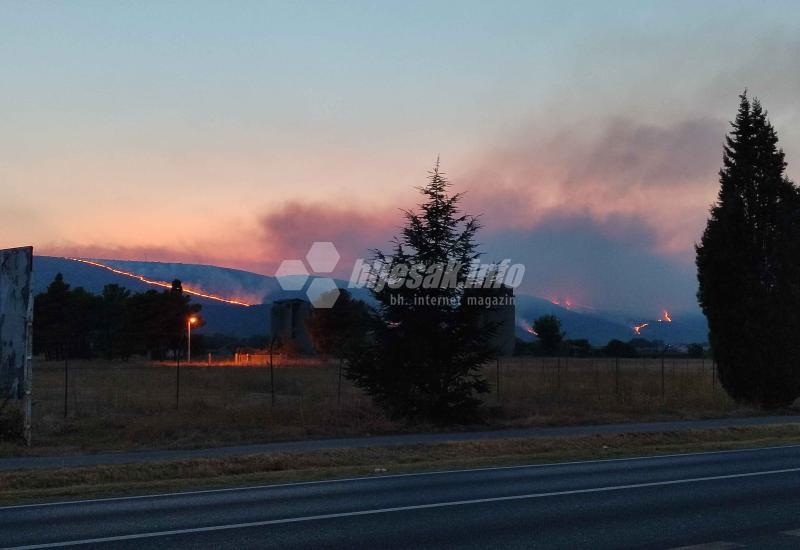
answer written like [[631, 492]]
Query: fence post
[[66, 384], [272, 371], [663, 389], [558, 374], [616, 376], [177, 380], [339, 389], [713, 376], [497, 384]]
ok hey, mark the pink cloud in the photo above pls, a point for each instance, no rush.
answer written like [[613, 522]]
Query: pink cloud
[[287, 233]]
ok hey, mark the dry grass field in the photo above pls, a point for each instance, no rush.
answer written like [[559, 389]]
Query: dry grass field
[[21, 486], [130, 405]]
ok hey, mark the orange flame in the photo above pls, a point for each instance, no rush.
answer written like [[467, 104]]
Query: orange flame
[[665, 317], [162, 284], [526, 327], [563, 302], [638, 328]]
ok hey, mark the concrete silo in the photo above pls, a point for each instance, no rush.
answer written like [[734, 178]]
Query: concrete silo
[[288, 321], [496, 307]]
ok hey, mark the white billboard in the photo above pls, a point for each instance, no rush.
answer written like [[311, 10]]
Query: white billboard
[[16, 312]]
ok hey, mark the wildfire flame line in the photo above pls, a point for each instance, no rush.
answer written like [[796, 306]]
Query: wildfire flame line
[[162, 284], [638, 328]]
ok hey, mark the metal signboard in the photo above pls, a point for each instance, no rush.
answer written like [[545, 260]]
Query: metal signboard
[[16, 314]]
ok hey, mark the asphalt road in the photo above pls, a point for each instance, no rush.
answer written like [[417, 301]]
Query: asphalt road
[[726, 499], [17, 463]]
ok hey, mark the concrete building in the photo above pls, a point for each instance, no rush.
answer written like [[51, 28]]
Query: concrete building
[[495, 306], [288, 322]]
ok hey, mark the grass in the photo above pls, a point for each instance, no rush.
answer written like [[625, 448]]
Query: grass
[[141, 478], [132, 405]]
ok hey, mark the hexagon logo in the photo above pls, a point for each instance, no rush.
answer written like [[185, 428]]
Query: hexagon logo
[[323, 293], [322, 257], [292, 275]]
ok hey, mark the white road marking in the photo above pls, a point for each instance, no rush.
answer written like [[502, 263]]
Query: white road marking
[[793, 533], [718, 545], [195, 530], [393, 476]]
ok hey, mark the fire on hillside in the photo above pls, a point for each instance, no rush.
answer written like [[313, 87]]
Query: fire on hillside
[[162, 284]]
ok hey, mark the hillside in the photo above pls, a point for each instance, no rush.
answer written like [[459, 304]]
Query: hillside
[[253, 288]]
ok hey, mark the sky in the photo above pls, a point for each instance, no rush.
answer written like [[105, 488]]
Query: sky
[[587, 135]]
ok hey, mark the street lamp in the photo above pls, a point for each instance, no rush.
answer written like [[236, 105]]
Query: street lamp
[[192, 320]]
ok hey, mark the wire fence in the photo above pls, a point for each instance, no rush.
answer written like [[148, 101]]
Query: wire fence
[[672, 381], [218, 400], [96, 385]]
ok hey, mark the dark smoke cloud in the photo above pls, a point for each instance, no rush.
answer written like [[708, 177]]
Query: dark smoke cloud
[[606, 216], [288, 232], [662, 176], [603, 266]]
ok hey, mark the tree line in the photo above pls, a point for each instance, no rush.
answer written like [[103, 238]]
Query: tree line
[[74, 323], [425, 361]]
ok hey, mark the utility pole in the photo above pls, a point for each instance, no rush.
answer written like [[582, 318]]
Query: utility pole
[[192, 320]]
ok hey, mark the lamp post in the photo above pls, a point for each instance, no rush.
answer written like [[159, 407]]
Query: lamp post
[[192, 320]]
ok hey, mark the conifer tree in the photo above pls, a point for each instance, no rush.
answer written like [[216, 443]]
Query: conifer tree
[[425, 357], [747, 266]]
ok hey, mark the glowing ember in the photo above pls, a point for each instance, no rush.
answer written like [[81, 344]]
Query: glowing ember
[[568, 303], [563, 302], [638, 328], [162, 284]]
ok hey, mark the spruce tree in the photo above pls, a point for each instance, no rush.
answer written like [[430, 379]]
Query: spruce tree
[[425, 356], [747, 262]]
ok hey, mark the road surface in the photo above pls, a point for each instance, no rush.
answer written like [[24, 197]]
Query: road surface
[[727, 499], [17, 463]]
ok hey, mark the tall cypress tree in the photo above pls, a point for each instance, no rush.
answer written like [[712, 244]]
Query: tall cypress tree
[[425, 357], [747, 266]]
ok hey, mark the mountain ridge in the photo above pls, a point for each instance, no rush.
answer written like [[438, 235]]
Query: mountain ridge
[[260, 290]]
